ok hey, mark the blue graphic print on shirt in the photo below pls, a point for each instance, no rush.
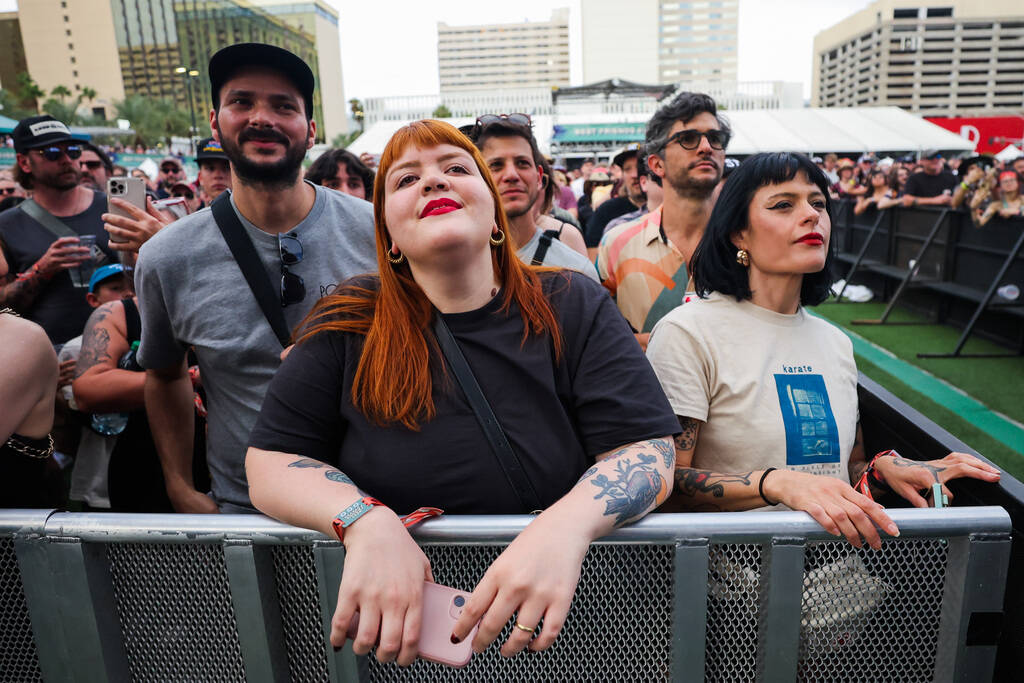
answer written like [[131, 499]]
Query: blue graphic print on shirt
[[811, 433]]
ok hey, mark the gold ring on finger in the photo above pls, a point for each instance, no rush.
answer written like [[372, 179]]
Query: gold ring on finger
[[519, 626]]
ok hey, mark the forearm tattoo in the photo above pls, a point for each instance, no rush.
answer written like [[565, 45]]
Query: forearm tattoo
[[95, 342], [308, 463], [19, 294], [635, 485], [687, 438], [691, 482]]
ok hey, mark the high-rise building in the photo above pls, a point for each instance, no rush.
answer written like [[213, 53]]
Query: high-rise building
[[160, 48], [937, 58], [660, 41], [10, 37], [531, 54], [320, 20]]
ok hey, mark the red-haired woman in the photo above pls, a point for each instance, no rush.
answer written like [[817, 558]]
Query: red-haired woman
[[365, 405]]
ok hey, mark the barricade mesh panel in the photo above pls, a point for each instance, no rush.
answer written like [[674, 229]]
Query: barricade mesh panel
[[300, 613], [872, 616], [174, 606], [734, 594], [619, 627], [19, 660]]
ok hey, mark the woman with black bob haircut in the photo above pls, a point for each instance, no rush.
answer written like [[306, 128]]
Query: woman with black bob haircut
[[714, 267], [766, 394]]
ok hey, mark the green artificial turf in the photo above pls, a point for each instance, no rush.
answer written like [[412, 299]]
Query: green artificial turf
[[996, 382]]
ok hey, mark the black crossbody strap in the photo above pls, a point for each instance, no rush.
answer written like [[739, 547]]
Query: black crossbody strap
[[252, 268], [543, 244], [507, 458], [54, 225]]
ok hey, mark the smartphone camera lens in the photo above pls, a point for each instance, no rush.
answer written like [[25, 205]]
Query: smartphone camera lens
[[459, 601]]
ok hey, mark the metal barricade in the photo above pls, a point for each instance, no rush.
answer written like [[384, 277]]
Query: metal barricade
[[737, 596]]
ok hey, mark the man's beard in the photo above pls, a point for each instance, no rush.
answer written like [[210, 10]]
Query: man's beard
[[527, 206], [88, 181], [693, 188], [57, 180], [275, 175]]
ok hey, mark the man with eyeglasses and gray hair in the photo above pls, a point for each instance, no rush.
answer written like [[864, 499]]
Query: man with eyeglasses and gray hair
[[41, 237], [232, 280], [644, 263]]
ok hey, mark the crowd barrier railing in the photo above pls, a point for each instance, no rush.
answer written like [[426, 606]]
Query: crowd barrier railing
[[718, 596]]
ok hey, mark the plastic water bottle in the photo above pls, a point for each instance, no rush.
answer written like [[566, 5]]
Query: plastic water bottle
[[1009, 292], [112, 424]]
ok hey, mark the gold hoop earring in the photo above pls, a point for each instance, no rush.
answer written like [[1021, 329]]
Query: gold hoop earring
[[497, 239], [743, 257], [395, 260]]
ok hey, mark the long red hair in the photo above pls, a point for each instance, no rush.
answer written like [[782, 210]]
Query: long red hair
[[392, 382]]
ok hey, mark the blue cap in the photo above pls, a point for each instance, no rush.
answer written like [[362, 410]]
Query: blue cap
[[103, 272]]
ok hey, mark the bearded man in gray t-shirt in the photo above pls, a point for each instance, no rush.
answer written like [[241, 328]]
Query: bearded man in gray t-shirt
[[193, 294]]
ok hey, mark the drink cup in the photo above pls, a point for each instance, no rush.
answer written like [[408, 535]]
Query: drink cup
[[81, 273]]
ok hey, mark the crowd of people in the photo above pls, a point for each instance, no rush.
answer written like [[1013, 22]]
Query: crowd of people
[[465, 327]]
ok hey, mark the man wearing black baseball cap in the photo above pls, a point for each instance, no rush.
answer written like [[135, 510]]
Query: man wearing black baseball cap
[[39, 238], [214, 170], [931, 187], [194, 293]]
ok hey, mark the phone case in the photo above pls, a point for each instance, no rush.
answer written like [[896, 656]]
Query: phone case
[[132, 190], [441, 609]]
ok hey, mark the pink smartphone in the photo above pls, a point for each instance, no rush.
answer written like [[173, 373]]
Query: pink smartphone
[[442, 607], [132, 190]]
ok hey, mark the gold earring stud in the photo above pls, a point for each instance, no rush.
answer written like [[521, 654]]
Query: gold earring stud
[[743, 257]]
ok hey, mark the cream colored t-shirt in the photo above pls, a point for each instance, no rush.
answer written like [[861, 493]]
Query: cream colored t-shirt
[[773, 390]]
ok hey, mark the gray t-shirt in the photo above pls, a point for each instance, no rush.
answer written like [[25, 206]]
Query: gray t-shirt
[[558, 256], [192, 293]]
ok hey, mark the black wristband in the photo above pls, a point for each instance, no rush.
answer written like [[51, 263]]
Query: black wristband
[[760, 486]]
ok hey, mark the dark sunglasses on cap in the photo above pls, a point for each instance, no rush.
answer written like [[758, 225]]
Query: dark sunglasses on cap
[[690, 138], [293, 288], [53, 152], [473, 130]]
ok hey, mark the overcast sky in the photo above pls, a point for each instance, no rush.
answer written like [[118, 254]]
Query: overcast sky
[[389, 47]]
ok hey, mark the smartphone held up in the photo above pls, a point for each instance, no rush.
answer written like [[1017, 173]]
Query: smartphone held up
[[131, 190]]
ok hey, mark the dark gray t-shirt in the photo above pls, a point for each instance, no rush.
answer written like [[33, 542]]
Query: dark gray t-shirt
[[192, 293]]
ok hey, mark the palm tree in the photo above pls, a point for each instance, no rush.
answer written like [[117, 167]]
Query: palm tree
[[61, 91], [28, 91]]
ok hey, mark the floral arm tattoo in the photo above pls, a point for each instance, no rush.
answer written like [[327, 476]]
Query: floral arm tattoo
[[635, 485]]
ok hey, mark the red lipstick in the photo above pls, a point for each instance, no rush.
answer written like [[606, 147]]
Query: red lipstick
[[812, 238], [436, 207]]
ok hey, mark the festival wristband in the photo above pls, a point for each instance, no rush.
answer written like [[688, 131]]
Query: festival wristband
[[349, 515], [870, 476]]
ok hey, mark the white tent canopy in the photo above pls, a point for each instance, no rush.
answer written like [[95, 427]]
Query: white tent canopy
[[888, 130]]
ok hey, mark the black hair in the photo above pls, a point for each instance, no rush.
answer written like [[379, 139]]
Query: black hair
[[683, 107], [108, 165], [507, 129], [642, 169], [714, 267], [326, 166]]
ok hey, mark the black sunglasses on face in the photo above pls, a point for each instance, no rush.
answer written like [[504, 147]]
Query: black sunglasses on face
[[53, 153], [690, 138], [186, 195], [293, 288], [169, 169], [8, 190], [92, 165]]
